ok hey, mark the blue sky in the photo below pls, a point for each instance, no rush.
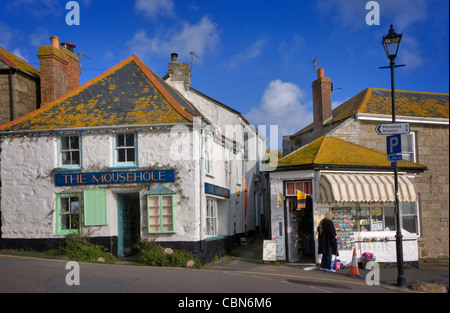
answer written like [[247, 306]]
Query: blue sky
[[254, 56]]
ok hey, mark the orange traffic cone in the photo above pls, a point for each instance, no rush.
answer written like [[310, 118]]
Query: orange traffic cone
[[354, 268]]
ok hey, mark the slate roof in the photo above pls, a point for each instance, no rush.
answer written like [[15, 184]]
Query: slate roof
[[14, 61], [378, 101], [336, 153], [128, 94]]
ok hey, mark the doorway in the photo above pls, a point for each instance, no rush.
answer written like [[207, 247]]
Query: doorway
[[300, 231], [128, 209]]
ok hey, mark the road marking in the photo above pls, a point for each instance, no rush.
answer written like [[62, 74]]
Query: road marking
[[262, 277], [323, 290]]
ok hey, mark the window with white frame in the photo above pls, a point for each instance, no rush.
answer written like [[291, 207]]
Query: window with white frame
[[211, 217], [409, 147], [124, 147], [69, 152], [410, 217]]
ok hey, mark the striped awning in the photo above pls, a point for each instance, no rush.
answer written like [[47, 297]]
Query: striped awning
[[365, 188]]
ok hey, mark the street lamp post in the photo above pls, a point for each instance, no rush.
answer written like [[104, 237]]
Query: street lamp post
[[391, 42]]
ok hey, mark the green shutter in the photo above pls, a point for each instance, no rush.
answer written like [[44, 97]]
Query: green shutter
[[95, 207]]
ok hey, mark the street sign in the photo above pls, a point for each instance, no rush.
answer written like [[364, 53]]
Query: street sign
[[392, 129], [394, 164], [394, 144], [394, 157]]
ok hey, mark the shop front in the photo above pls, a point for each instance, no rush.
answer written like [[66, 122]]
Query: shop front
[[365, 217], [364, 214]]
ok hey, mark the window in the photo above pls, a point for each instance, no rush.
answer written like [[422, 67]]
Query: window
[[161, 214], [211, 217], [303, 186], [69, 152], [238, 171], [409, 147], [409, 216], [125, 149], [207, 153], [67, 214]]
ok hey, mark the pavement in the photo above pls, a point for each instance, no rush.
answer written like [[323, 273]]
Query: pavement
[[429, 277]]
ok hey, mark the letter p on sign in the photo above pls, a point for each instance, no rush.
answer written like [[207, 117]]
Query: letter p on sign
[[394, 144]]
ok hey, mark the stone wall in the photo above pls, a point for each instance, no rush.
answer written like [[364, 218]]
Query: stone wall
[[25, 96]]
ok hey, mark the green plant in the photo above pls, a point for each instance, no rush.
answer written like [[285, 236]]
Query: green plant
[[77, 247], [151, 253]]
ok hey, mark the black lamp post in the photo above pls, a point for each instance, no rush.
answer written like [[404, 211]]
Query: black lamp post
[[391, 42]]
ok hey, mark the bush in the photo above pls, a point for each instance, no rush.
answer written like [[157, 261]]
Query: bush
[[153, 254], [78, 248]]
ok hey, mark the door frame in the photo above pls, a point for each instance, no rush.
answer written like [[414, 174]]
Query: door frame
[[120, 235]]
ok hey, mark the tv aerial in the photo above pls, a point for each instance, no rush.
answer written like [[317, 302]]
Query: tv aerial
[[81, 53], [193, 54], [315, 64]]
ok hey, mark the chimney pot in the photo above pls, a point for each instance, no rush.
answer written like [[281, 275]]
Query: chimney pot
[[55, 41], [174, 57], [321, 72], [68, 45]]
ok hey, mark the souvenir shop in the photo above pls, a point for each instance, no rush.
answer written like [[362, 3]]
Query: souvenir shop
[[364, 215]]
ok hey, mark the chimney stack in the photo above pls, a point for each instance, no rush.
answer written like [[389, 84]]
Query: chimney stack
[[59, 69], [321, 99], [179, 72]]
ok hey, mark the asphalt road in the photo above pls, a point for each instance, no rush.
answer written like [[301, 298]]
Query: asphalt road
[[23, 274]]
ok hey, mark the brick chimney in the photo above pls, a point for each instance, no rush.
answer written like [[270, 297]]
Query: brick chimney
[[321, 99], [180, 72], [59, 70]]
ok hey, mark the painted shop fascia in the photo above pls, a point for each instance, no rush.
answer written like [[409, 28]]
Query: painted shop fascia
[[162, 171]]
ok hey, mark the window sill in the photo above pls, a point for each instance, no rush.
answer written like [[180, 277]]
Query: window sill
[[212, 238], [69, 169], [162, 232], [123, 167]]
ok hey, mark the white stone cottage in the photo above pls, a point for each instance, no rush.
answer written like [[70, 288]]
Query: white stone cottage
[[125, 157]]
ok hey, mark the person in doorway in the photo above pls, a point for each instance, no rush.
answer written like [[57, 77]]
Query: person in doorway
[[327, 241], [308, 230]]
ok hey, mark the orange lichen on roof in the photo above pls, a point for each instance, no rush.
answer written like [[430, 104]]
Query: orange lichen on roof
[[333, 151], [127, 94], [378, 101], [407, 103], [12, 60]]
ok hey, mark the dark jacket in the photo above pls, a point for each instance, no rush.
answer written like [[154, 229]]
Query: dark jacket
[[327, 238]]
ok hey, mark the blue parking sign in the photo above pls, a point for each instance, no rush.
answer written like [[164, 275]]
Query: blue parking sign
[[394, 144]]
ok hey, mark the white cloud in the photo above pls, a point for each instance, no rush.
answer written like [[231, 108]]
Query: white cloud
[[7, 35], [20, 54], [201, 38], [282, 105], [410, 53], [153, 8], [251, 53], [41, 37]]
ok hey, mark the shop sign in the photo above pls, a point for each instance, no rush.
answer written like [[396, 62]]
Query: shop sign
[[216, 190], [121, 177]]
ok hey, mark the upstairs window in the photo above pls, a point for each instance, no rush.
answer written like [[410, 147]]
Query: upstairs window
[[69, 152], [125, 149], [409, 147]]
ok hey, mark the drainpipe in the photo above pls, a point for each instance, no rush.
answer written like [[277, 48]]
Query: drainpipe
[[202, 215], [11, 94]]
